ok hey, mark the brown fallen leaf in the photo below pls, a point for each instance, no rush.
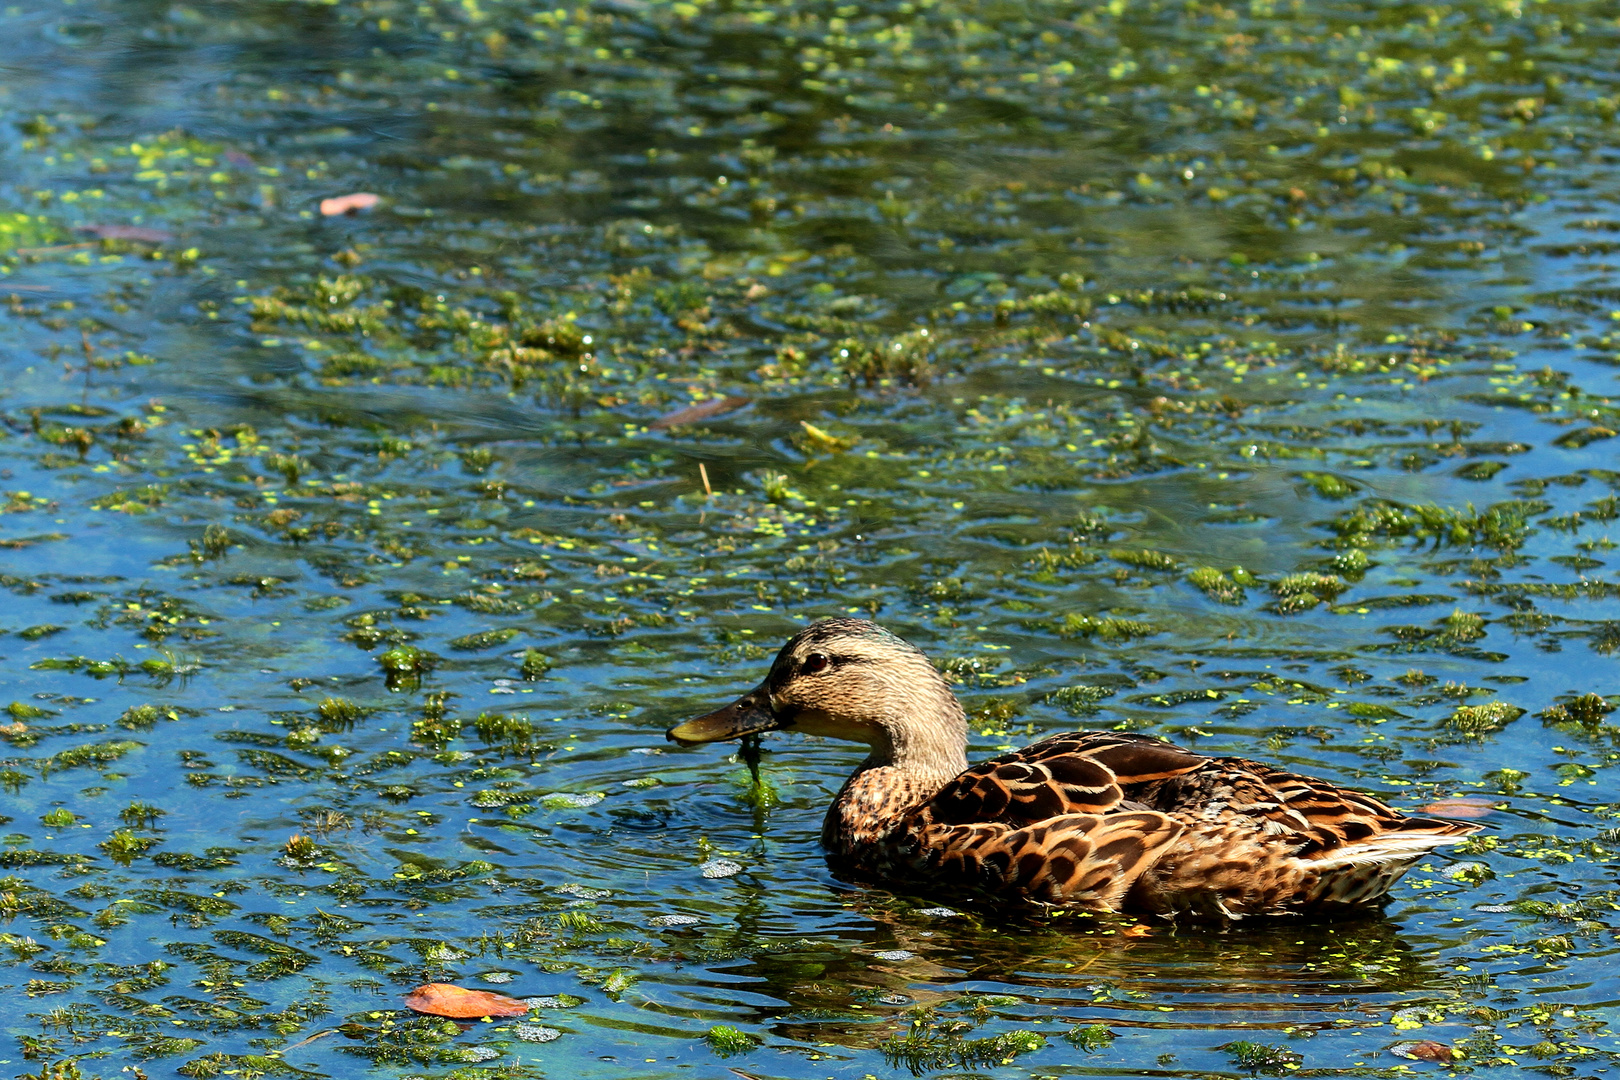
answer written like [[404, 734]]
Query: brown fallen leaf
[[1461, 806], [703, 410], [349, 204], [458, 1003], [128, 232], [1427, 1050]]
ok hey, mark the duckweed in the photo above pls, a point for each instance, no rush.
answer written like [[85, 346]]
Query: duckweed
[[1237, 374]]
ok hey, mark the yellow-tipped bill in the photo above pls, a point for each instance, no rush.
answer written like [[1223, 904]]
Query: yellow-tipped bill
[[748, 715]]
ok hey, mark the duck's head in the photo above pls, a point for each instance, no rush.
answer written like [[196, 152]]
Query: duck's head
[[848, 679]]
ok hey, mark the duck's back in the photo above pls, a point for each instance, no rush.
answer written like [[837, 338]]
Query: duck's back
[[1106, 821]]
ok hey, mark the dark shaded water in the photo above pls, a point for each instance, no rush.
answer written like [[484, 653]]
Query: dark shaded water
[[1236, 374]]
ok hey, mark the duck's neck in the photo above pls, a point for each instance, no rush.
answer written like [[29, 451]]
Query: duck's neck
[[904, 770]]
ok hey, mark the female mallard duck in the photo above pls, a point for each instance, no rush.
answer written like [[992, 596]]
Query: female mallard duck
[[1094, 820]]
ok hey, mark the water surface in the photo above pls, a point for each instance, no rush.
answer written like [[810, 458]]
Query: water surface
[[1240, 375]]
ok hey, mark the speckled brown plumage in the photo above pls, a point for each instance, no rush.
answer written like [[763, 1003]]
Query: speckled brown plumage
[[1094, 820]]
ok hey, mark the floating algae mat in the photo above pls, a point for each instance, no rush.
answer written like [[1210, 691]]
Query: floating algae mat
[[1238, 374]]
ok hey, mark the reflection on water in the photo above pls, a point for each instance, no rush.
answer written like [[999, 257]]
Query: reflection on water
[[1239, 374]]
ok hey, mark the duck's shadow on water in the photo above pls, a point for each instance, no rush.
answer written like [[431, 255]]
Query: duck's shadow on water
[[1080, 968], [1285, 953]]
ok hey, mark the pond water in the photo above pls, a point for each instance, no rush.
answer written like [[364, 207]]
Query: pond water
[[1238, 374]]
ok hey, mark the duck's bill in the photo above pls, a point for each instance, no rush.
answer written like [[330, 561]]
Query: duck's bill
[[748, 715]]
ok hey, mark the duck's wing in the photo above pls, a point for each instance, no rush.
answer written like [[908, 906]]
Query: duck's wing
[[1317, 818], [1333, 823], [1135, 760], [1086, 861], [1075, 773]]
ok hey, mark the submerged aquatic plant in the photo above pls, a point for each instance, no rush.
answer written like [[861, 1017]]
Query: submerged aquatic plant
[[1481, 719], [992, 399], [484, 639], [1081, 700], [1262, 1057], [404, 666], [338, 714], [1587, 710], [1091, 1038], [1108, 628], [726, 1041], [534, 664], [930, 1045], [124, 846], [1218, 586], [1303, 591], [515, 735]]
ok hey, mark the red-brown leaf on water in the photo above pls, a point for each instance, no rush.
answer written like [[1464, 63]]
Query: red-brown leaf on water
[[458, 1003], [1461, 806], [349, 204], [1427, 1050], [703, 410], [128, 232]]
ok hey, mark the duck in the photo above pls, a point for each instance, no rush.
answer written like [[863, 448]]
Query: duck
[[1095, 821]]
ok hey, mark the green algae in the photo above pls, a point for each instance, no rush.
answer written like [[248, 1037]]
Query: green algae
[[1011, 327]]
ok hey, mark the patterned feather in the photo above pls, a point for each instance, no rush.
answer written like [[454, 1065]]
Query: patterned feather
[[1105, 821]]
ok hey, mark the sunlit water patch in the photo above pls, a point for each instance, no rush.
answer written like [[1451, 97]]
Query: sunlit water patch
[[1236, 375]]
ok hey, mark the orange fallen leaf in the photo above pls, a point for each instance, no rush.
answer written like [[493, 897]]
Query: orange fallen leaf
[[701, 411], [1139, 930], [457, 1003], [1462, 806], [1429, 1051], [349, 204]]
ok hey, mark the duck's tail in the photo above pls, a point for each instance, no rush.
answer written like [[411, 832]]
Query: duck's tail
[[1363, 871], [1417, 837]]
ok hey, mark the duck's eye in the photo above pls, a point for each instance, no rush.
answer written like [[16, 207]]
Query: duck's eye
[[815, 662]]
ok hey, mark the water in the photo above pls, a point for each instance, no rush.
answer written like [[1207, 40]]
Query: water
[[1241, 375]]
